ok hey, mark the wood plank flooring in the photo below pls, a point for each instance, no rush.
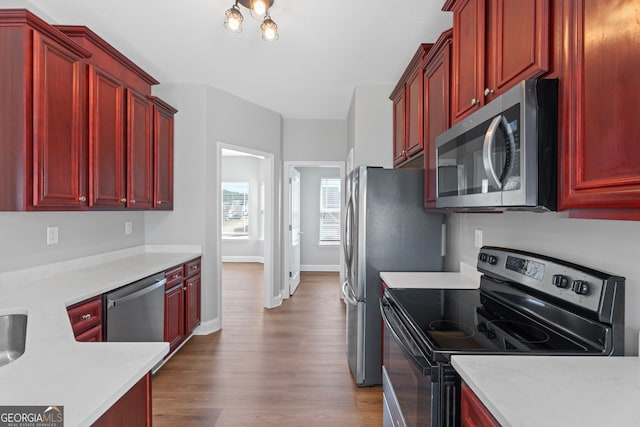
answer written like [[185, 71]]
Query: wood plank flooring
[[281, 367]]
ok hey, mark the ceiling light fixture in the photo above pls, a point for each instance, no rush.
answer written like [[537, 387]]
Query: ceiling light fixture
[[259, 9]]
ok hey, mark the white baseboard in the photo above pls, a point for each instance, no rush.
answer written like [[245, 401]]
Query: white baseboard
[[208, 327], [319, 267], [242, 259]]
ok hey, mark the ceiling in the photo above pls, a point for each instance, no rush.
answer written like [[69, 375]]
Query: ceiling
[[325, 49]]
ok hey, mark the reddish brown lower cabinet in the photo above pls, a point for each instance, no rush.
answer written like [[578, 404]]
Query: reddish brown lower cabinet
[[192, 304], [131, 410], [472, 412], [86, 320], [174, 316], [182, 301]]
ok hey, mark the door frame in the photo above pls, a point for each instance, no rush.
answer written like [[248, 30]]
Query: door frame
[[286, 234], [269, 224]]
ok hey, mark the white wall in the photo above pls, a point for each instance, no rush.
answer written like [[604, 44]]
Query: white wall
[[370, 126], [207, 116], [23, 236], [245, 169], [611, 246], [314, 257], [314, 140]]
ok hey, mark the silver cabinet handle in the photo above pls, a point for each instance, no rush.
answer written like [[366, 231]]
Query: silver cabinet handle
[[123, 200], [184, 289], [488, 92], [86, 316], [82, 198], [175, 276], [159, 202], [474, 101], [133, 201]]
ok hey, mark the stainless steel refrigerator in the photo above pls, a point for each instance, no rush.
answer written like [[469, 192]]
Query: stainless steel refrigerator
[[386, 229]]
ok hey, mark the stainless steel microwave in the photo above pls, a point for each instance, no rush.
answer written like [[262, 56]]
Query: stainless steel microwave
[[503, 156]]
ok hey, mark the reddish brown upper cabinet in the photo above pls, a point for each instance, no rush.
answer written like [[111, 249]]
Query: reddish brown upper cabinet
[[106, 136], [139, 151], [44, 158], [496, 44], [437, 112], [472, 412], [163, 114], [599, 128], [408, 102]]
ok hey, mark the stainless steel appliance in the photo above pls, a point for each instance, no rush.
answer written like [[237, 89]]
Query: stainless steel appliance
[[386, 229], [527, 304], [135, 313], [504, 155]]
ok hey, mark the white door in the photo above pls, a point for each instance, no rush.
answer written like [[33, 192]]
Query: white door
[[294, 230]]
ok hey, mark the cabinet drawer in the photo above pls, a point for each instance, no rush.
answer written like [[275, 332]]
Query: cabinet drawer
[[192, 267], [174, 276], [92, 335], [85, 315]]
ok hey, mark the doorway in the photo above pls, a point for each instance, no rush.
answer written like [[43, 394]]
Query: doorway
[[305, 230], [245, 212]]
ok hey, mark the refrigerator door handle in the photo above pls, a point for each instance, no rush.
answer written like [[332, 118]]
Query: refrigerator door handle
[[346, 292], [347, 242]]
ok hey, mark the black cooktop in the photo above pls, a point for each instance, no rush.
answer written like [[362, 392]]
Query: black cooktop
[[448, 321]]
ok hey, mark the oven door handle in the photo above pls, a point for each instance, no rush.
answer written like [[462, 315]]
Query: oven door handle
[[420, 360]]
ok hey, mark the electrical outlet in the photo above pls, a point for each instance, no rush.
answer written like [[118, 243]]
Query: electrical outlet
[[478, 238], [128, 227], [52, 235]]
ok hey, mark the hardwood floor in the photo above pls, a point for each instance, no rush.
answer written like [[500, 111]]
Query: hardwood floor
[[281, 367]]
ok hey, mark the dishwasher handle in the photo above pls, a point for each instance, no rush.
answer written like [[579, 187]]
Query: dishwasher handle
[[135, 294]]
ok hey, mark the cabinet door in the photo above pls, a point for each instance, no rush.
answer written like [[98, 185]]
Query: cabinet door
[[599, 156], [59, 155], [517, 43], [468, 57], [399, 134], [131, 410], [106, 140], [92, 335], [413, 114], [472, 412], [174, 316], [192, 304], [437, 114], [163, 157], [139, 151]]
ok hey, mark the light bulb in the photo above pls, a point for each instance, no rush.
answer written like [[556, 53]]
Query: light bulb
[[233, 24], [259, 7], [233, 19], [269, 34]]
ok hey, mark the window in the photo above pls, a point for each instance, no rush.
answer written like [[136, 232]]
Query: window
[[235, 215], [329, 211]]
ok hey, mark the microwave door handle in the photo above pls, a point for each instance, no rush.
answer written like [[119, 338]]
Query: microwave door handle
[[487, 148]]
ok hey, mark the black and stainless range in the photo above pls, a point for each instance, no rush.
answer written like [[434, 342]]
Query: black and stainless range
[[527, 304]]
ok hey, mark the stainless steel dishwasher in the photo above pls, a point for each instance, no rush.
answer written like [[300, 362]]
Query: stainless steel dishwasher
[[135, 312]]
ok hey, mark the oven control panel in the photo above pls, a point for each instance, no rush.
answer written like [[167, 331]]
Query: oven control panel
[[576, 284]]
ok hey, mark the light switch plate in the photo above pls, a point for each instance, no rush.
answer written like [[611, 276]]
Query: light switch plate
[[52, 235]]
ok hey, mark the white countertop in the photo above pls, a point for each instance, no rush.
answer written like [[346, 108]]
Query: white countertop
[[534, 391], [85, 378], [467, 278]]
